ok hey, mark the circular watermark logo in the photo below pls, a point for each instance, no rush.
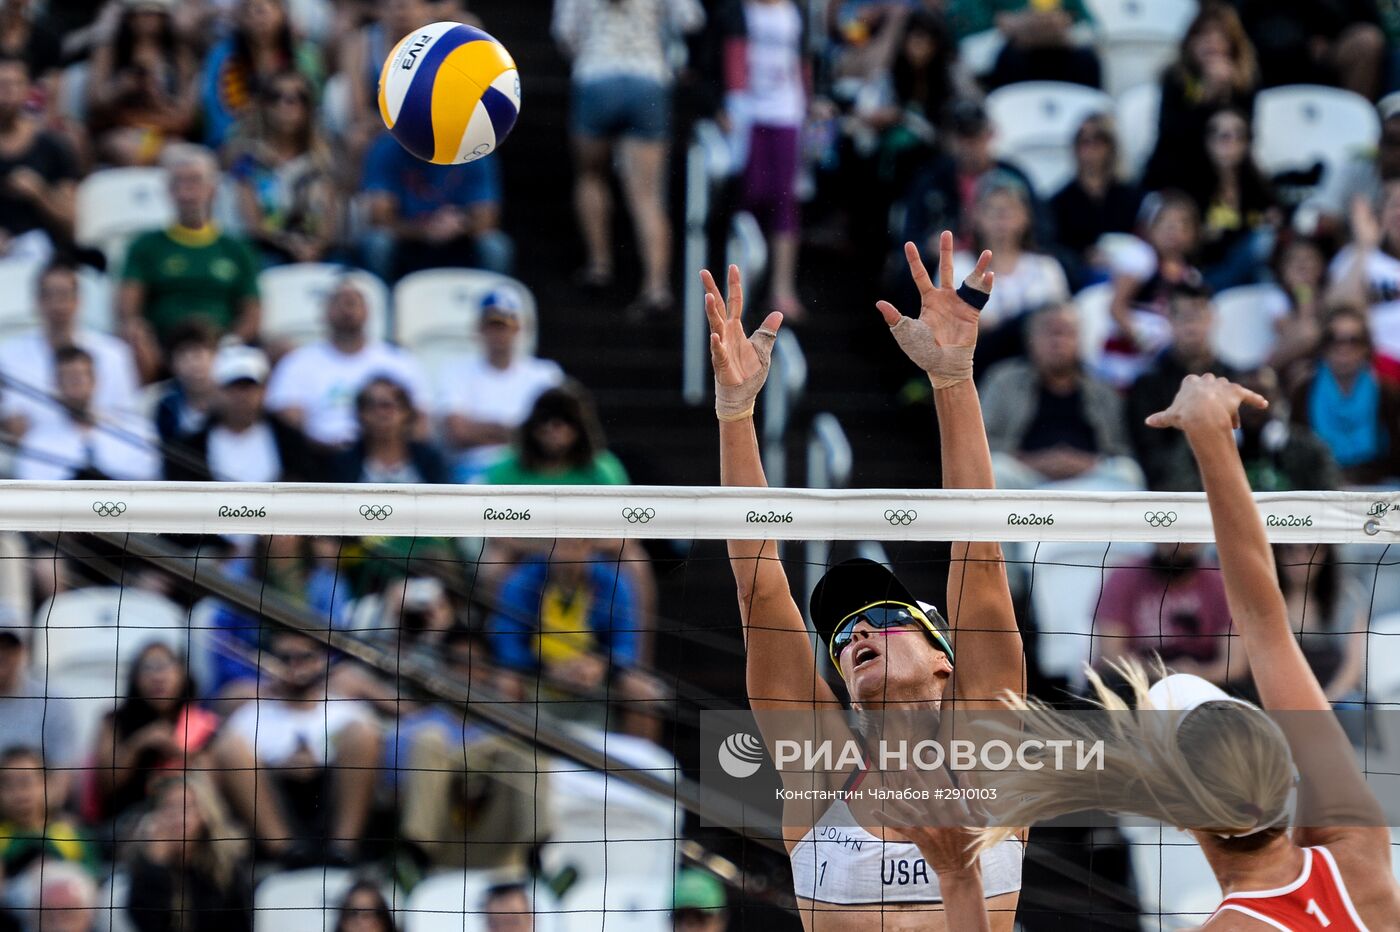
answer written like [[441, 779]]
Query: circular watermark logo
[[638, 515], [901, 516], [108, 509], [1160, 518], [740, 755], [376, 512]]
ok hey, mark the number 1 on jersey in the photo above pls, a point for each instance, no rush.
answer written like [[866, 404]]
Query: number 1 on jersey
[[1314, 910]]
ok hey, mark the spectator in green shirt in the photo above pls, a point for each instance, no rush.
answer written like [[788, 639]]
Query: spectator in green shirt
[[28, 830], [560, 443], [192, 269], [1039, 45]]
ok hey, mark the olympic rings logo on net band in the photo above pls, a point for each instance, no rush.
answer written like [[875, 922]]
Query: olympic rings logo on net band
[[1160, 518], [638, 515], [108, 509], [376, 512], [901, 517]]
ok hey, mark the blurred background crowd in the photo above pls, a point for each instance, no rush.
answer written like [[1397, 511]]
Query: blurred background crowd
[[215, 265]]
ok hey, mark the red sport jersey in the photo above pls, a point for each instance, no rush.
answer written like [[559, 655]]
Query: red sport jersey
[[1318, 899]]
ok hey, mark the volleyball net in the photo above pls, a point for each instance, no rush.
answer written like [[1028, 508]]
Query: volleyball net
[[487, 706]]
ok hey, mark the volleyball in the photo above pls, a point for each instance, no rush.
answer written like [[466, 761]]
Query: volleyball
[[449, 93]]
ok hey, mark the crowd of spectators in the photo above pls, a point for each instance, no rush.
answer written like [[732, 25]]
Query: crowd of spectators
[[872, 121], [262, 115]]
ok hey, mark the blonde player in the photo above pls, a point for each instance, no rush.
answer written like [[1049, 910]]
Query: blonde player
[[1221, 768]]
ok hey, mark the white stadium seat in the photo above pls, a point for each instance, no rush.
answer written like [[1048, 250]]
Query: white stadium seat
[[451, 902], [980, 50], [619, 904], [84, 640], [111, 914], [294, 300], [1244, 325], [436, 312], [1137, 39], [1095, 320], [1066, 580], [18, 284], [1138, 112], [307, 900], [1382, 677], [335, 104], [17, 281], [1035, 125], [1299, 125], [115, 204], [1176, 887], [641, 829], [443, 304]]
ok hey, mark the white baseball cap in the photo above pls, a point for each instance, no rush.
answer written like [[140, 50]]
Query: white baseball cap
[[239, 364], [1183, 692]]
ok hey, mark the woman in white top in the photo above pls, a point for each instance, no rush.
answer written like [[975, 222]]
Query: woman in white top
[[852, 871], [622, 94], [1026, 280], [1366, 273]]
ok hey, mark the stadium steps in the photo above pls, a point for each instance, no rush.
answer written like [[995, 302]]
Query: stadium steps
[[633, 368]]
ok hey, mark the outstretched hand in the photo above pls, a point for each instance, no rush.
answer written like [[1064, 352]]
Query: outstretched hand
[[735, 356], [941, 338], [740, 362], [1205, 402]]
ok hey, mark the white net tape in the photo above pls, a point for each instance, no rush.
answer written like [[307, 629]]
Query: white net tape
[[675, 513]]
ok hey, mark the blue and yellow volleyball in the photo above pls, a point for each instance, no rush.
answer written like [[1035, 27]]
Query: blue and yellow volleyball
[[449, 93]]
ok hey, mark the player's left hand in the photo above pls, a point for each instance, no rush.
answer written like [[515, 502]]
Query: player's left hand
[[945, 320]]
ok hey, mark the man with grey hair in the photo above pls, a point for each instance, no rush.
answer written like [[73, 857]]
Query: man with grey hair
[[1049, 423], [190, 269]]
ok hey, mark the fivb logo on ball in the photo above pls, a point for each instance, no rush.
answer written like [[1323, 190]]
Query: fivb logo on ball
[[449, 93]]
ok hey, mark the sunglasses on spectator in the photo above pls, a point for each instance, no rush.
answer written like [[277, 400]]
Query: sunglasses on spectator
[[298, 656], [1102, 139], [381, 401], [1347, 339], [287, 97]]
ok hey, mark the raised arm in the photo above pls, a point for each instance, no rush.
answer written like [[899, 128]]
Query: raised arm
[[1206, 409], [941, 342], [781, 658]]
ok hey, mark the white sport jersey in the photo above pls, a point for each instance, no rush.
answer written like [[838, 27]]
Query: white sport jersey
[[839, 862]]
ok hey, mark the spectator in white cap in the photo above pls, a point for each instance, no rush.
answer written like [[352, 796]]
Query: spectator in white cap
[[482, 398], [241, 442], [81, 441], [313, 387]]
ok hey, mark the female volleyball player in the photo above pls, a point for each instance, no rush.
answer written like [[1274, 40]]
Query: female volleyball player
[[1221, 768], [850, 875]]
